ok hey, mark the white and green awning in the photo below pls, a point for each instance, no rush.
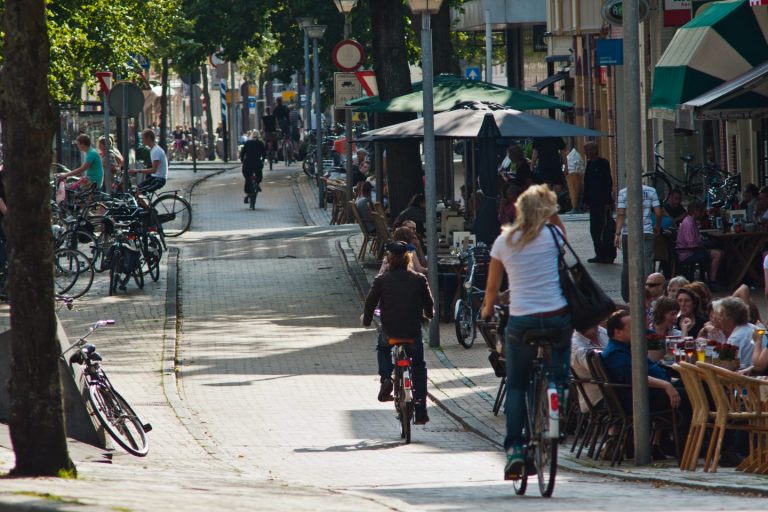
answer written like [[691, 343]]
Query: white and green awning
[[727, 39]]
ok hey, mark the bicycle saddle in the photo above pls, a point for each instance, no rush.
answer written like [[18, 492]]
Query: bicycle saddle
[[537, 337], [687, 158]]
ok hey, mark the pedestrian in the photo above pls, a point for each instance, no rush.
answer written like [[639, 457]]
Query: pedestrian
[[365, 207], [296, 124], [528, 251], [158, 172], [252, 156], [598, 200], [651, 213], [574, 176], [403, 297], [549, 156], [282, 116]]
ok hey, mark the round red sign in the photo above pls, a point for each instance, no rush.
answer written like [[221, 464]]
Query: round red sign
[[348, 55]]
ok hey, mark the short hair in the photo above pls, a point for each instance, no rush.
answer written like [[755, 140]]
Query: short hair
[[149, 134], [664, 306], [84, 140], [616, 321], [677, 280], [733, 309]]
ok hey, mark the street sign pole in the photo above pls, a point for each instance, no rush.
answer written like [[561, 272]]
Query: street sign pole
[[233, 112], [348, 133], [632, 144], [105, 79], [192, 117], [224, 127]]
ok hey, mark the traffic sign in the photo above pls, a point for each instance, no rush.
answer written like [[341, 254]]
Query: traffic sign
[[215, 60], [143, 62], [472, 73], [346, 87], [251, 101], [105, 80], [368, 80], [126, 99], [191, 78], [348, 55]]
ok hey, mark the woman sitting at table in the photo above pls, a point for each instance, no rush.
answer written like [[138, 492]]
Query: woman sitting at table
[[665, 316], [704, 294], [674, 285], [690, 320], [690, 248], [712, 330], [734, 319]]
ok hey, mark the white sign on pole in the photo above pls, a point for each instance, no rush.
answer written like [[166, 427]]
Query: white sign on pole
[[346, 87]]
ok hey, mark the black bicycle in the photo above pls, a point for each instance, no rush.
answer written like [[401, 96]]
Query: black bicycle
[[403, 387], [253, 190], [542, 403], [696, 183], [112, 410], [475, 263]]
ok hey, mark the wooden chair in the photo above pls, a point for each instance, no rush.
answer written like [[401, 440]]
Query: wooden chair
[[382, 235], [701, 418], [738, 407], [590, 422], [367, 237]]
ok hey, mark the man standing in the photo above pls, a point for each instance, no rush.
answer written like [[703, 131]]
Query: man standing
[[651, 209], [598, 199], [159, 170], [550, 155]]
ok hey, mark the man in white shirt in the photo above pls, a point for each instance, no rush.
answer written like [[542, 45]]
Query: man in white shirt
[[159, 170], [651, 209], [595, 338]]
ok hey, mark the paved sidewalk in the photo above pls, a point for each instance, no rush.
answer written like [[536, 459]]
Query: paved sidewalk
[[464, 385]]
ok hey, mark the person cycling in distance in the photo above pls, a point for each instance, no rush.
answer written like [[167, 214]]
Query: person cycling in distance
[[252, 156], [159, 170], [527, 251], [403, 297]]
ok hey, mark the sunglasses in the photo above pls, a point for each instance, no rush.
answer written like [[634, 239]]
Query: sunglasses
[[653, 285]]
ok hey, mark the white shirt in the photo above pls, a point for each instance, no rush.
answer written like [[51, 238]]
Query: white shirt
[[534, 282], [742, 338], [650, 201], [156, 154], [580, 346], [575, 162]]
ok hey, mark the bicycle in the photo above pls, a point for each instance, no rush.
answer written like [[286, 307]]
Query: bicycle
[[253, 191], [467, 309], [72, 272], [112, 410], [542, 404], [403, 390], [174, 213], [697, 182], [124, 257], [286, 148]]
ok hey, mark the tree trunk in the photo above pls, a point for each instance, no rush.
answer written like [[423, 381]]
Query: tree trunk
[[36, 409], [164, 107], [390, 57], [208, 116]]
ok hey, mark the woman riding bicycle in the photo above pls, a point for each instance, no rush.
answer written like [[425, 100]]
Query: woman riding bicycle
[[403, 296], [528, 253]]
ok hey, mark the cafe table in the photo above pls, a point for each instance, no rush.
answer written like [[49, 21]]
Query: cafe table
[[741, 250]]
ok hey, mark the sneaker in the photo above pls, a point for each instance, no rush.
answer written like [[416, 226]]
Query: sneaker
[[421, 417], [515, 467], [385, 391]]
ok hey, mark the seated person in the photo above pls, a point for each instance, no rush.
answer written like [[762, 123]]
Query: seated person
[[582, 342], [365, 207], [673, 210], [617, 358], [405, 235], [733, 315], [665, 316], [712, 330], [690, 248], [690, 320], [749, 201], [91, 173]]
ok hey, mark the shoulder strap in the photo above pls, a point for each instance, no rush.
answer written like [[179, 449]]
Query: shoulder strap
[[555, 235]]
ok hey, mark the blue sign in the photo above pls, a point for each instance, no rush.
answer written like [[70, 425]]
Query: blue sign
[[472, 73], [251, 101], [143, 62], [610, 52]]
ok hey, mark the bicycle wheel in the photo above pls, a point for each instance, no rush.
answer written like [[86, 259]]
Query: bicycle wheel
[[465, 327], [406, 420], [308, 166], [252, 198], [73, 272], [174, 213], [115, 264], [118, 418], [545, 451], [520, 485], [138, 277], [78, 240], [103, 242], [152, 258], [660, 183]]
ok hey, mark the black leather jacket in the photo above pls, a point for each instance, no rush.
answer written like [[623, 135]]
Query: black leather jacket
[[403, 296]]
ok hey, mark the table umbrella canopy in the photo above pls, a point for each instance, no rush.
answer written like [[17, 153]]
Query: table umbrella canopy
[[726, 40], [450, 90], [467, 123]]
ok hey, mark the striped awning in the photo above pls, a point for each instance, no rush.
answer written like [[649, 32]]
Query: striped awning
[[727, 39]]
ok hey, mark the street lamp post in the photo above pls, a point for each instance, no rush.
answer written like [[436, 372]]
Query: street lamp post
[[315, 33], [426, 8], [303, 23], [345, 7]]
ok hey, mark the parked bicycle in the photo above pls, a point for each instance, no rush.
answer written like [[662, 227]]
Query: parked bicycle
[[696, 183], [543, 404], [72, 272], [475, 263], [112, 410], [124, 256]]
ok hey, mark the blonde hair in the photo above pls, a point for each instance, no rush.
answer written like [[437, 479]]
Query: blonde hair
[[399, 261], [534, 208]]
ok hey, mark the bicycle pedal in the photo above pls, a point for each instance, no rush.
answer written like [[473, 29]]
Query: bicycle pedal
[[147, 427]]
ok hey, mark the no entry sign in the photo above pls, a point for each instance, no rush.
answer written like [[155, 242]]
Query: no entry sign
[[348, 55]]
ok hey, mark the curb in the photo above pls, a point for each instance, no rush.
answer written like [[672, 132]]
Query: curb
[[472, 424], [300, 200]]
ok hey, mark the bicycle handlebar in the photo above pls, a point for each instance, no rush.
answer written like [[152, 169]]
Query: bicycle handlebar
[[91, 330]]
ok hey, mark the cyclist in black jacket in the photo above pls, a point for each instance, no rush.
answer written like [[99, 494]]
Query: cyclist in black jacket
[[252, 155], [403, 297]]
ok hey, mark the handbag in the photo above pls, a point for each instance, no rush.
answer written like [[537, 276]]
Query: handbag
[[588, 303]]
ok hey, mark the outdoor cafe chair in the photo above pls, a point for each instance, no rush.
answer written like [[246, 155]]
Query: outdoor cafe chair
[[739, 406], [382, 235], [702, 416], [589, 423], [367, 237]]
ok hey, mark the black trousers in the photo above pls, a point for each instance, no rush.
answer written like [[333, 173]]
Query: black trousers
[[597, 220]]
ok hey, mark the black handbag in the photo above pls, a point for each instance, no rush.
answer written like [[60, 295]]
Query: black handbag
[[588, 303]]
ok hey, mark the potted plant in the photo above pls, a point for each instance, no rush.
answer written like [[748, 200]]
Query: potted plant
[[655, 345], [725, 356]]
